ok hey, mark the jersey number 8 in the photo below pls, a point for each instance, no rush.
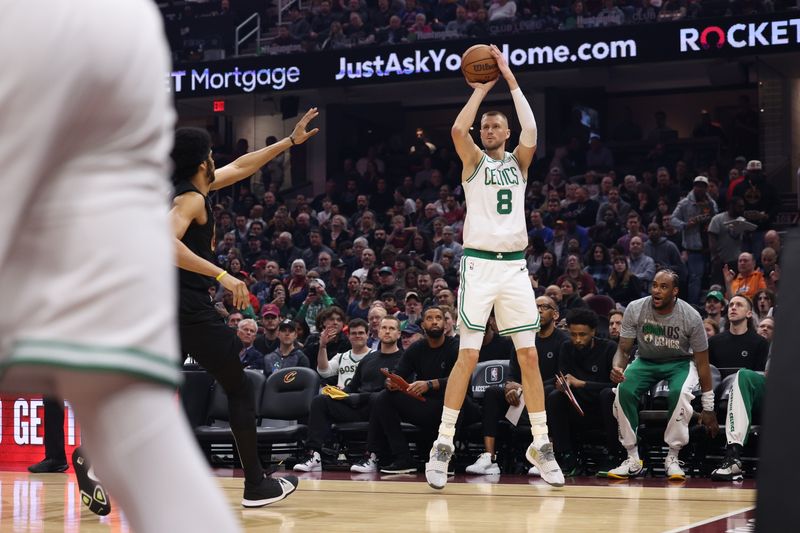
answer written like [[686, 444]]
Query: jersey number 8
[[504, 201]]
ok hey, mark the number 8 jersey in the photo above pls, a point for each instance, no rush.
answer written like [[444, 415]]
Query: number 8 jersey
[[495, 197]]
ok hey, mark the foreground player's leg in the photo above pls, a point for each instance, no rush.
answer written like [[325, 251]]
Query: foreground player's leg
[[141, 446], [540, 452], [457, 383]]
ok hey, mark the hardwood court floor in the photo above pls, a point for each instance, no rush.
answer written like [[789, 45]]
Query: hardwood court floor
[[49, 502]]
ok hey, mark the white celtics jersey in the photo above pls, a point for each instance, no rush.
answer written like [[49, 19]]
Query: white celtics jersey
[[344, 365], [495, 196]]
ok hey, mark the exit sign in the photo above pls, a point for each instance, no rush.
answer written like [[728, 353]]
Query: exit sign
[[219, 106]]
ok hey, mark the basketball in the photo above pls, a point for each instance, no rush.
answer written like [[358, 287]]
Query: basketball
[[478, 65]]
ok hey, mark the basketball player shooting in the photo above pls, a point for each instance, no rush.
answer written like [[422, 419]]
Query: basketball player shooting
[[493, 269]]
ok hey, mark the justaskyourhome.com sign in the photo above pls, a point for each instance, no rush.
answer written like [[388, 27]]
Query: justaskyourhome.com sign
[[524, 51]]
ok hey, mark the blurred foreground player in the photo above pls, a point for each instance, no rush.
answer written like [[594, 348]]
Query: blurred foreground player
[[85, 243], [203, 333], [493, 269]]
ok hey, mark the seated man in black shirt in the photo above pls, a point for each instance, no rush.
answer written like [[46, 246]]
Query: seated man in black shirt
[[586, 363], [367, 381], [425, 365], [495, 346], [497, 399], [740, 346]]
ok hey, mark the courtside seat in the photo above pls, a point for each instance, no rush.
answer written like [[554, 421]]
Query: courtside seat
[[287, 398], [196, 393], [488, 374], [217, 427]]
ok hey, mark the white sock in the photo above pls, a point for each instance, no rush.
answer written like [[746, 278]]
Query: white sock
[[633, 453], [140, 445], [539, 428], [447, 429], [674, 451]]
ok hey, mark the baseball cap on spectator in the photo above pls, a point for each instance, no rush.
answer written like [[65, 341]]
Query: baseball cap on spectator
[[270, 309], [716, 295], [410, 329], [413, 294], [385, 270], [286, 324], [260, 264], [754, 164], [560, 223], [701, 179], [320, 283], [338, 264], [741, 159]]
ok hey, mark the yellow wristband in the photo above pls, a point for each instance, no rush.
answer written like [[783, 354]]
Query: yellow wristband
[[221, 275]]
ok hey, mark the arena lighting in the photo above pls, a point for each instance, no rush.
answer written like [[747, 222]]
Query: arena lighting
[[219, 106]]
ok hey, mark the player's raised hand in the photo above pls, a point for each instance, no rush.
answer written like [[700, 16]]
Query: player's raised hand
[[502, 64], [299, 134]]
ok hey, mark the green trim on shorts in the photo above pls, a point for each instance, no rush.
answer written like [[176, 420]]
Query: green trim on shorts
[[527, 327], [462, 289], [494, 256], [74, 346], [477, 167], [93, 368], [71, 355]]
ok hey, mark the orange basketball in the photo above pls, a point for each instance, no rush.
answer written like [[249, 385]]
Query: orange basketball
[[478, 65]]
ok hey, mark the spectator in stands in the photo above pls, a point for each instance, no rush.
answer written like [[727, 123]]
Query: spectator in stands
[[380, 15], [285, 253], [748, 281], [645, 12], [641, 265], [367, 262], [297, 286], [714, 303], [586, 362], [623, 285], [420, 25], [549, 272], [724, 243], [448, 244], [233, 319], [412, 312], [739, 346], [360, 308], [316, 300], [764, 305], [766, 328], [250, 356], [411, 333], [311, 254], [461, 23], [570, 297], [497, 399], [336, 38], [634, 227], [420, 247], [772, 239], [537, 227], [692, 216], [480, 25], [599, 157], [615, 204], [270, 318], [663, 251], [614, 324], [583, 208], [711, 327], [577, 17], [299, 27], [666, 188], [598, 265], [343, 364], [286, 355], [321, 21], [770, 268], [360, 376], [429, 362], [284, 37], [574, 271], [374, 317], [761, 203], [330, 320], [608, 231], [662, 132]]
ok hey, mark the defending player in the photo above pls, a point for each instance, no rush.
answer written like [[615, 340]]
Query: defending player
[[493, 271], [203, 333]]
